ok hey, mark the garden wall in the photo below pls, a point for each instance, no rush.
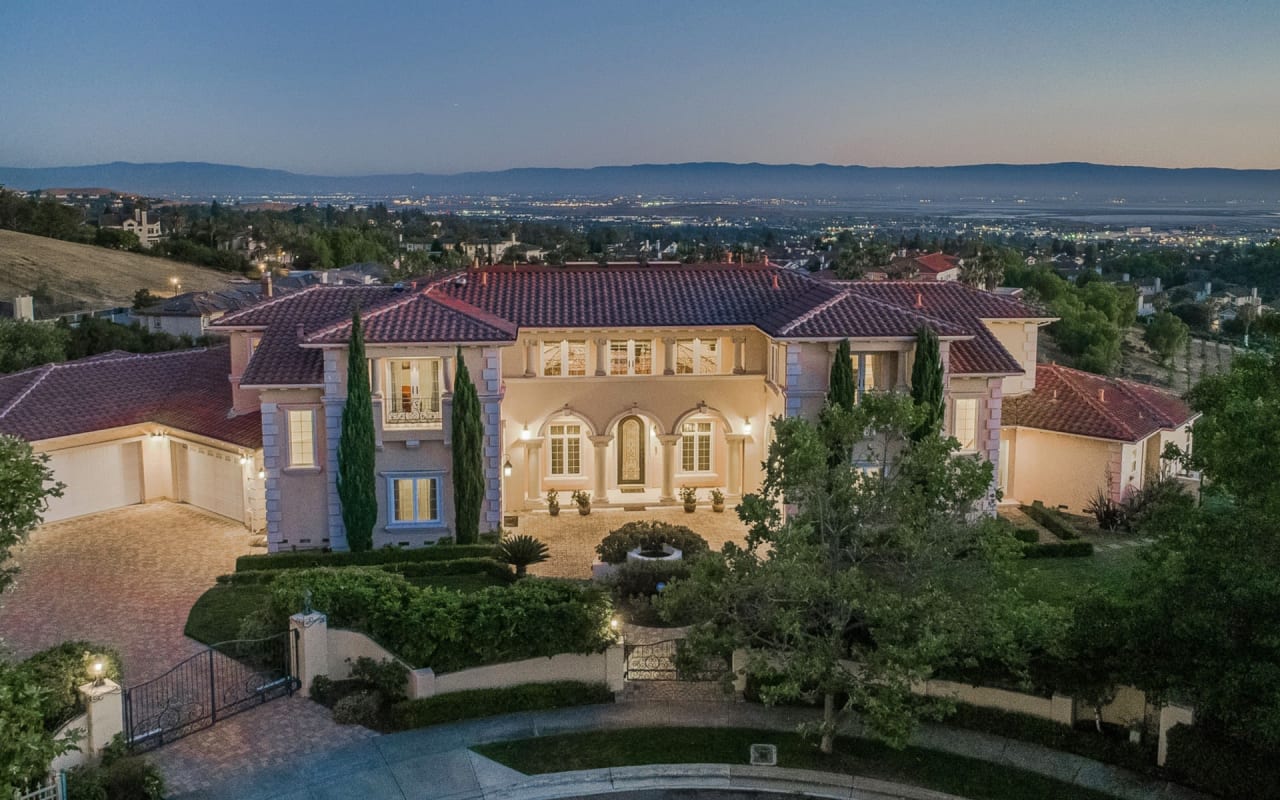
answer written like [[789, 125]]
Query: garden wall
[[1058, 708], [73, 758]]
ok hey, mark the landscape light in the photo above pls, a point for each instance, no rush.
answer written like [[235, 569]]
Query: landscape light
[[97, 673]]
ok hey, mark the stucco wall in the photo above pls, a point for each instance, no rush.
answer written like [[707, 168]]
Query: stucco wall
[[1057, 709], [296, 499], [1021, 339], [1055, 468], [593, 668]]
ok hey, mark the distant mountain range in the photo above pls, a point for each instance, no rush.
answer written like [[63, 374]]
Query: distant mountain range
[[1072, 181]]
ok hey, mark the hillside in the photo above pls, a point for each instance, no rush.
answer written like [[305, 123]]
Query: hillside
[[83, 276]]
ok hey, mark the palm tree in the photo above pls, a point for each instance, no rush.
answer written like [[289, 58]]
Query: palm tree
[[521, 551]]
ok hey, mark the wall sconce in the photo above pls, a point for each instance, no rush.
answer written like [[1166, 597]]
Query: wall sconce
[[243, 461], [97, 673], [746, 427], [506, 468], [525, 434], [262, 473]]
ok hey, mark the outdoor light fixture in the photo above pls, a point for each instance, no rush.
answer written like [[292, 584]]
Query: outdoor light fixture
[[746, 427], [262, 473], [613, 623], [243, 461], [524, 434], [506, 468], [97, 673]]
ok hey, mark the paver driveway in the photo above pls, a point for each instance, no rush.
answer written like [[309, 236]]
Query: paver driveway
[[125, 578]]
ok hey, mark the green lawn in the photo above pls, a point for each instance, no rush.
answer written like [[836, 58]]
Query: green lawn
[[216, 616], [1057, 580], [979, 780]]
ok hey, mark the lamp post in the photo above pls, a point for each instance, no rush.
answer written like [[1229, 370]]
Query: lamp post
[[97, 673]]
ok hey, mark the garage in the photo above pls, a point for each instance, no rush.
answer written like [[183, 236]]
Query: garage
[[209, 478], [97, 479]]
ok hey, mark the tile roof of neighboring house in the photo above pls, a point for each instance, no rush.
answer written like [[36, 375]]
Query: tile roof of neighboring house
[[185, 389], [1081, 403], [492, 304], [936, 262], [198, 304]]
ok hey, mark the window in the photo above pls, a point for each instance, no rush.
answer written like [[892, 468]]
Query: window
[[778, 364], [302, 437], [567, 357], [630, 357], [966, 423], [695, 447], [697, 356], [566, 449], [415, 500], [413, 392], [874, 372]]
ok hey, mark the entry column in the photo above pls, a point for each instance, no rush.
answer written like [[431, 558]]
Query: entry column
[[669, 441], [602, 466], [533, 470]]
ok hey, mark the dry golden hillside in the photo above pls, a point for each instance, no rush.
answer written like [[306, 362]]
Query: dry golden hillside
[[83, 276]]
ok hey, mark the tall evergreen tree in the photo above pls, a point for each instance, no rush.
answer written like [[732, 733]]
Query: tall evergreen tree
[[926, 383], [468, 456], [357, 490], [841, 390]]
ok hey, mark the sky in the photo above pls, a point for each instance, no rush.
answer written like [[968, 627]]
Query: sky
[[344, 88]]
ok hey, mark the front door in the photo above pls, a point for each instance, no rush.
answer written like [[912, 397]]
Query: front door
[[631, 452]]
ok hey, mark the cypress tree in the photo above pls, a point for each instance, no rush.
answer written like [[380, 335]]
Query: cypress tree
[[840, 392], [356, 484], [926, 383], [468, 456]]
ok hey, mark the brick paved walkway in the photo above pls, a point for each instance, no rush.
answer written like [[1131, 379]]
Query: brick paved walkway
[[126, 578]]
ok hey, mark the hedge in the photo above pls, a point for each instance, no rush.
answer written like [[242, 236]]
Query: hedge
[[61, 670], [1222, 766], [447, 630], [613, 548], [456, 706], [1075, 549], [308, 559], [1052, 520], [1026, 728], [411, 569], [1028, 535], [642, 577]]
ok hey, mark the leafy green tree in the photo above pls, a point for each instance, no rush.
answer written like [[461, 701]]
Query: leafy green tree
[[926, 383], [841, 390], [26, 748], [26, 484], [1166, 335], [143, 298], [876, 581], [26, 344], [357, 487], [468, 456]]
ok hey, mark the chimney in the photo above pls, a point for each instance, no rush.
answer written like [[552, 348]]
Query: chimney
[[1102, 395], [766, 259], [266, 283], [1055, 394], [775, 280], [484, 278], [324, 276], [24, 308], [919, 299]]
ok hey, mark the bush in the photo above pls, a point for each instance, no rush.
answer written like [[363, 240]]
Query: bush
[[1026, 728], [649, 535], [1226, 767], [489, 702], [307, 559], [387, 678], [362, 708], [521, 551], [62, 670], [1109, 514], [461, 566], [118, 776], [1058, 550], [634, 578], [1051, 520], [1027, 535]]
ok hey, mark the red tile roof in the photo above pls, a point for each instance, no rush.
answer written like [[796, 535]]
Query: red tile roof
[[936, 262], [184, 389], [1081, 403]]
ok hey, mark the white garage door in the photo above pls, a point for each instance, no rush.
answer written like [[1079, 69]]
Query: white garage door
[[210, 479], [97, 478]]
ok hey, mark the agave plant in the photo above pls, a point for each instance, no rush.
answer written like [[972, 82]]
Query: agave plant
[[521, 551]]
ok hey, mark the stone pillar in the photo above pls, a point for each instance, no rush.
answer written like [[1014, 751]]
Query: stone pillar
[[739, 355], [309, 647], [602, 466], [669, 441], [375, 385], [533, 470], [1170, 716], [449, 368], [737, 442], [668, 355], [738, 665], [602, 357], [615, 661], [531, 358], [105, 711]]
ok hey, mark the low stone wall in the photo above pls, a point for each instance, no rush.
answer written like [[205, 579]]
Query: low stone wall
[[1058, 708], [73, 758], [347, 646]]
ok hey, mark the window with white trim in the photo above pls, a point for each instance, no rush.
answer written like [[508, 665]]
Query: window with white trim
[[412, 394], [966, 423], [630, 357], [874, 371], [698, 356], [301, 423], [695, 446], [566, 449], [414, 500], [565, 358]]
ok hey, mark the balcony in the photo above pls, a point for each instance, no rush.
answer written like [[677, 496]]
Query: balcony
[[419, 412]]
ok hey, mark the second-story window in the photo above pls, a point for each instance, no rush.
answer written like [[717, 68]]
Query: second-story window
[[412, 397], [630, 357], [874, 371], [302, 437], [567, 357], [697, 356], [966, 423], [566, 449]]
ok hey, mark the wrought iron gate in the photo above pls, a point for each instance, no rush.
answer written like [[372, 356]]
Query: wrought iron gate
[[224, 680], [665, 661]]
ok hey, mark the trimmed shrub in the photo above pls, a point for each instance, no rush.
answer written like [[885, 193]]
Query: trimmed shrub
[[1051, 520], [409, 569], [1225, 767], [1075, 549], [649, 534], [387, 678], [61, 670], [118, 776], [1028, 535], [489, 702], [362, 708], [307, 559], [1026, 728], [634, 578]]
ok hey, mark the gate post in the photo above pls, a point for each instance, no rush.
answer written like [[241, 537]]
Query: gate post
[[309, 647], [105, 711]]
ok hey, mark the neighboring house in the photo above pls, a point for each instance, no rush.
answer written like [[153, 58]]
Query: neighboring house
[[123, 428], [191, 313], [146, 231], [929, 267], [625, 381], [1077, 432]]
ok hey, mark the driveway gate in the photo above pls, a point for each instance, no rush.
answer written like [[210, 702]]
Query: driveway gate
[[225, 679], [661, 661]]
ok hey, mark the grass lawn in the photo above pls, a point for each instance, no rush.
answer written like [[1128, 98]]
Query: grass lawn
[[979, 780], [1057, 580], [216, 616]]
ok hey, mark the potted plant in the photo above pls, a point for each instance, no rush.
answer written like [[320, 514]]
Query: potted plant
[[717, 500], [583, 500], [689, 496], [553, 502]]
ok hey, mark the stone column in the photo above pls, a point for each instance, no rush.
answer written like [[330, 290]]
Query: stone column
[[309, 647], [602, 357], [739, 355], [668, 355], [602, 466], [533, 469], [375, 384], [105, 710], [669, 441], [531, 358], [449, 368], [736, 442]]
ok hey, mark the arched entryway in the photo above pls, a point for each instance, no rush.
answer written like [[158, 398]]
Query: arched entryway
[[631, 443]]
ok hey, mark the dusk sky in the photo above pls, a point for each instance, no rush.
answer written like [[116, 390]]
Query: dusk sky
[[348, 88]]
